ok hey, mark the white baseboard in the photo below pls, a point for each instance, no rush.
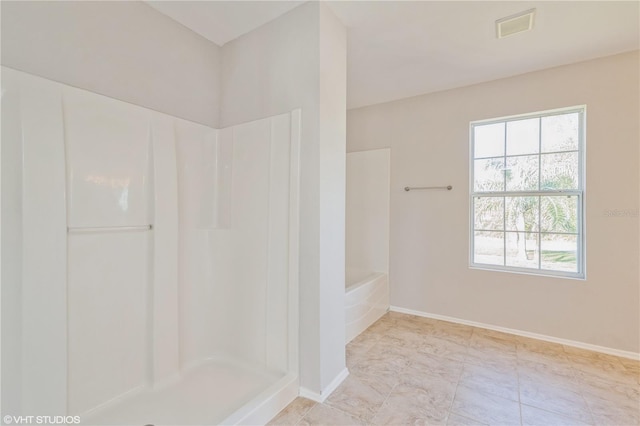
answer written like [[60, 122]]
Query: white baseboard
[[324, 394], [567, 342]]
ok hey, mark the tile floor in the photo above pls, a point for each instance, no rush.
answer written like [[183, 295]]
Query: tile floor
[[412, 370]]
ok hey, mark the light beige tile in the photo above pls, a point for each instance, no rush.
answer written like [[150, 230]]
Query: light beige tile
[[608, 369], [385, 356], [532, 416], [409, 404], [539, 350], [596, 386], [399, 414], [391, 343], [423, 320], [293, 412], [495, 334], [375, 369], [453, 325], [457, 420], [437, 388], [366, 339], [561, 373], [615, 418], [572, 351], [487, 346], [322, 414], [398, 316], [484, 408], [555, 398], [423, 364], [405, 338], [381, 381], [611, 401], [452, 332], [631, 364], [443, 348], [506, 368], [607, 412], [415, 323], [388, 316], [378, 328], [356, 398], [357, 352], [632, 367], [499, 381], [536, 344], [491, 357], [483, 341], [414, 364], [353, 358], [554, 358]]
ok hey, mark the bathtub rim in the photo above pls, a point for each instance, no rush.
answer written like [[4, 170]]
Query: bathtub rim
[[370, 277]]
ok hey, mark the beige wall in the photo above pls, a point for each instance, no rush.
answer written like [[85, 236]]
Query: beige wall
[[125, 50], [429, 140]]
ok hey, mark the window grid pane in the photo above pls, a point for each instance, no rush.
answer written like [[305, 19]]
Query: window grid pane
[[523, 137], [559, 252], [560, 132], [522, 173], [522, 249]]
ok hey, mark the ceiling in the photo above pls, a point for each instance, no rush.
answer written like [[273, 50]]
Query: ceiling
[[402, 49], [398, 49], [223, 21]]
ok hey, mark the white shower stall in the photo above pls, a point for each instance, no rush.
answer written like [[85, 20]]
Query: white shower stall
[[150, 263]]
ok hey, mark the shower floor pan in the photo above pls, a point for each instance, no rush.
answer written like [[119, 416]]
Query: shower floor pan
[[218, 392]]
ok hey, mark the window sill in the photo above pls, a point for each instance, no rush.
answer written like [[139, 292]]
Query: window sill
[[536, 273]]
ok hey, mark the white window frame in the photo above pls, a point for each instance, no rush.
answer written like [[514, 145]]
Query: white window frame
[[579, 192]]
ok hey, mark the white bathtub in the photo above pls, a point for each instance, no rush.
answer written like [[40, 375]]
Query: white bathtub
[[366, 299]]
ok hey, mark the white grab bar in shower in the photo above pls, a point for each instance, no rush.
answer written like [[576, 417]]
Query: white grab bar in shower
[[109, 229]]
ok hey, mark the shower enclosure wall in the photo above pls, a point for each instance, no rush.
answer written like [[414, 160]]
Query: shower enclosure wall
[[149, 263]]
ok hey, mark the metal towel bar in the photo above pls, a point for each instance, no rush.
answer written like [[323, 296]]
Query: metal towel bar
[[412, 188]]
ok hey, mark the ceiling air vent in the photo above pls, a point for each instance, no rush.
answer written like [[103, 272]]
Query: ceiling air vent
[[514, 24]]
